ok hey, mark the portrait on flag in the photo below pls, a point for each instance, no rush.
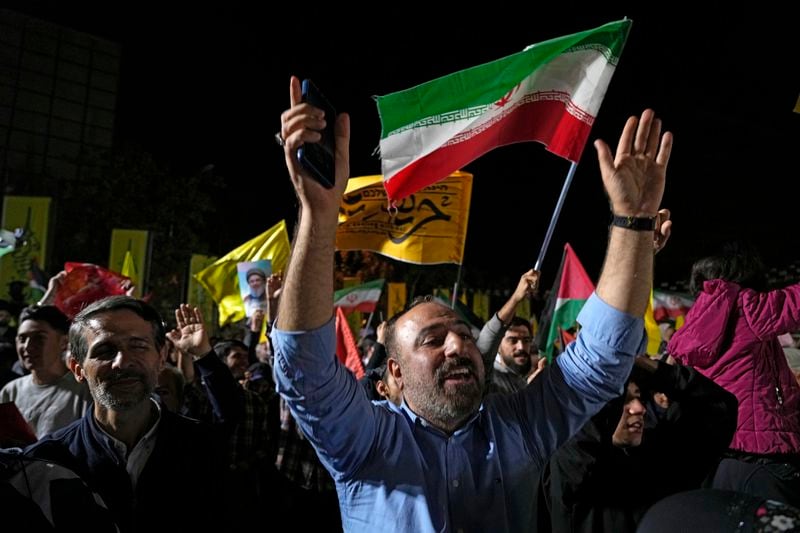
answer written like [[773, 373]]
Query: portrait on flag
[[427, 227], [253, 284]]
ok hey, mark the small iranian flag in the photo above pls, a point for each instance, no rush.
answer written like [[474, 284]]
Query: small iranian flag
[[359, 298], [550, 92], [570, 291]]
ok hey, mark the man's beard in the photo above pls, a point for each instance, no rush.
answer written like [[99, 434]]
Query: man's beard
[[105, 395], [512, 363], [258, 294], [445, 405]]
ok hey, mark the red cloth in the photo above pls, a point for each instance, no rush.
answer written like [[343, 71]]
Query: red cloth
[[84, 284], [346, 349]]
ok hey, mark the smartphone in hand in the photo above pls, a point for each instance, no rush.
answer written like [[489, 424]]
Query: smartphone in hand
[[318, 158]]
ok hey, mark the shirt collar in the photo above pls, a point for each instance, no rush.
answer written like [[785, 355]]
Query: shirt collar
[[119, 447]]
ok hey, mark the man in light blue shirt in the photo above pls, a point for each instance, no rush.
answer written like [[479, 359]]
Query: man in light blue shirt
[[446, 459]]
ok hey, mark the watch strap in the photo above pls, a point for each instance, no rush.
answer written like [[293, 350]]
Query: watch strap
[[634, 223]]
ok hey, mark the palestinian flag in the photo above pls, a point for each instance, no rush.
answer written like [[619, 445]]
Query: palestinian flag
[[359, 298], [570, 291], [550, 93]]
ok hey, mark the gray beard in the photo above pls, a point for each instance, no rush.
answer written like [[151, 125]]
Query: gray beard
[[105, 397]]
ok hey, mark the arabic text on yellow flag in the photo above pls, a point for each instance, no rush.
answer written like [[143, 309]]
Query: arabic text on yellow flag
[[32, 214], [429, 227], [221, 280], [129, 248]]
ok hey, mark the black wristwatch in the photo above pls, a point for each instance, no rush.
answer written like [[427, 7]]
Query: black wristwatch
[[634, 223]]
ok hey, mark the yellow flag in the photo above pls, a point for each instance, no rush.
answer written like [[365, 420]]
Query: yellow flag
[[221, 281], [652, 329], [427, 227], [196, 295], [32, 214], [128, 267], [128, 256], [480, 304], [396, 298]]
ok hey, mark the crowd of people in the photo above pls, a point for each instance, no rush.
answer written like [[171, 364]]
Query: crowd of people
[[158, 428]]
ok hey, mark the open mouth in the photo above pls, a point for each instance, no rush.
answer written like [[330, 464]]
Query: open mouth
[[636, 427], [461, 375]]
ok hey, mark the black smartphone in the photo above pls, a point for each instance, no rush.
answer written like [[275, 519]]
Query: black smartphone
[[318, 158]]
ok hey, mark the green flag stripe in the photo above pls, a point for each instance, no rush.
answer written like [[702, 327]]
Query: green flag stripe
[[564, 317], [487, 83]]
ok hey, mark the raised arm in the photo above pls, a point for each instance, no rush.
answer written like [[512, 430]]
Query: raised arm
[[307, 295], [634, 181]]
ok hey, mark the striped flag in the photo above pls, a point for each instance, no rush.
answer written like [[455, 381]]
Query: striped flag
[[570, 291], [550, 93], [346, 349], [360, 297]]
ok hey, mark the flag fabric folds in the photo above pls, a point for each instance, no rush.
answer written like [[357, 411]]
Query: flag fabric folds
[[550, 93], [428, 227], [220, 278], [570, 291], [360, 297], [84, 284], [346, 349]]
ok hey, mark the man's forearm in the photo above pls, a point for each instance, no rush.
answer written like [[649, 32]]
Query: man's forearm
[[628, 271], [307, 295]]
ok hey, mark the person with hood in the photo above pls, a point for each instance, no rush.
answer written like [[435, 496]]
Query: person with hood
[[623, 460], [731, 336]]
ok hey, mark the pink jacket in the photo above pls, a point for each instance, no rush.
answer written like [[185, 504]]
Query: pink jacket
[[731, 336]]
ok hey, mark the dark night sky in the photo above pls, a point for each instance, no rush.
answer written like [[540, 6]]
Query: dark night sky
[[204, 85]]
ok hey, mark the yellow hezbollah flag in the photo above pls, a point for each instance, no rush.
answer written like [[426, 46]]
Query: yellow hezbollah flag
[[128, 256], [221, 280], [427, 227], [31, 214], [196, 294]]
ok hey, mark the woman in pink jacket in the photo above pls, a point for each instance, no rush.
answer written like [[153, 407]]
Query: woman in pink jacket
[[731, 336]]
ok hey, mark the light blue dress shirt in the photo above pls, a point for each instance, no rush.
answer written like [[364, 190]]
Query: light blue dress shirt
[[394, 472]]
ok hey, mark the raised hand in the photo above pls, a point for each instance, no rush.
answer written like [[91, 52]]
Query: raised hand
[[634, 177], [190, 335], [301, 124], [527, 286]]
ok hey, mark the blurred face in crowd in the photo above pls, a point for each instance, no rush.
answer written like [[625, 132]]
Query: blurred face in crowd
[[438, 365], [238, 361], [631, 424], [122, 362], [388, 388], [515, 349], [40, 347]]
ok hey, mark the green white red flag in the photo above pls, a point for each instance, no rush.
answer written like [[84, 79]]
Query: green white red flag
[[550, 93], [359, 298]]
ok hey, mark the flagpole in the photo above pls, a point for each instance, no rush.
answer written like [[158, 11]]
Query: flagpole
[[455, 288], [556, 214], [366, 328]]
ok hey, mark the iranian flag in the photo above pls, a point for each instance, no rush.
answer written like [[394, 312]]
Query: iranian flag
[[570, 291], [359, 298], [550, 93]]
